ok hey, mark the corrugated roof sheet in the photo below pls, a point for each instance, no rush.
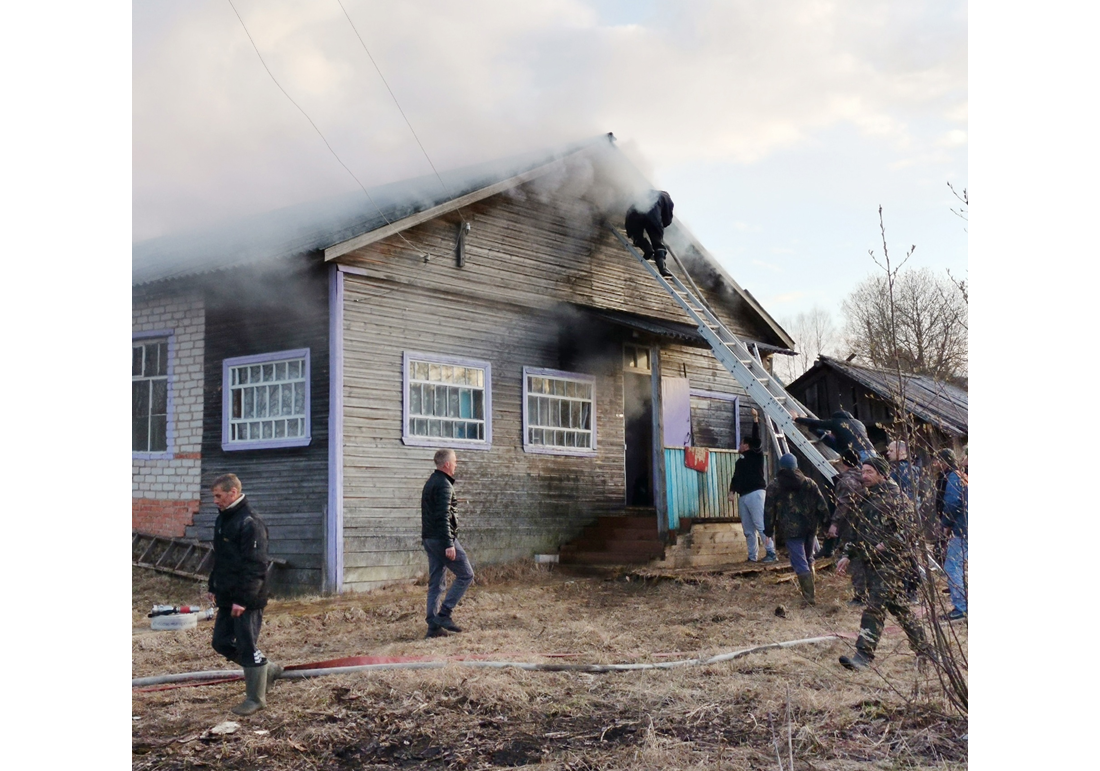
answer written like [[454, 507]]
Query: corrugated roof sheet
[[941, 404]]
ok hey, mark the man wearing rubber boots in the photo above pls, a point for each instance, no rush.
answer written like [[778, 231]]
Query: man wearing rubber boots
[[238, 586], [794, 510], [878, 538]]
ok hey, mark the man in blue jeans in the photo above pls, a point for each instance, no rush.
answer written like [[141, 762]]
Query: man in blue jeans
[[750, 484], [951, 499], [439, 531]]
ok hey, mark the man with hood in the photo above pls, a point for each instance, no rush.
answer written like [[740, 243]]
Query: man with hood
[[794, 510], [848, 490], [879, 538], [845, 432], [749, 484], [652, 219]]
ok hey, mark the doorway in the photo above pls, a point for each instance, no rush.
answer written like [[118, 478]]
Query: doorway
[[638, 424]]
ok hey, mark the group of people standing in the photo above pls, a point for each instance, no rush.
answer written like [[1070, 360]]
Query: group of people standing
[[881, 515]]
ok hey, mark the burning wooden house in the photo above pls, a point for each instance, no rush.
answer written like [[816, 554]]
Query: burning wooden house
[[323, 353]]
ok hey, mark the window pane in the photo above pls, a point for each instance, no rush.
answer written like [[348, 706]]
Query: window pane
[[280, 429], [286, 396], [465, 403], [574, 414], [420, 427], [235, 404], [280, 370], [254, 374], [294, 369], [141, 399], [159, 402], [140, 435], [136, 370], [452, 402], [162, 359], [586, 416], [479, 406], [414, 399], [158, 433], [559, 388], [247, 396], [433, 428], [268, 429], [440, 402], [559, 438]]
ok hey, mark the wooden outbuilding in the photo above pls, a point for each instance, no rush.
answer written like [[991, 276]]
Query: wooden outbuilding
[[324, 352]]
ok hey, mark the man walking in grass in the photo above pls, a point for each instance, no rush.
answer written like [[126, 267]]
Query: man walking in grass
[[439, 531]]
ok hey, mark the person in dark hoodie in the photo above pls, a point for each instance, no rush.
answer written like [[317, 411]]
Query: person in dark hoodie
[[844, 432], [439, 531], [750, 484], [794, 511], [878, 537], [651, 220], [238, 586]]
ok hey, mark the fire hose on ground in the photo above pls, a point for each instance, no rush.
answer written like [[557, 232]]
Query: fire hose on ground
[[344, 666]]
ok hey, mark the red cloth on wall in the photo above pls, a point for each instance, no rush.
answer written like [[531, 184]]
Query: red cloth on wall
[[697, 458]]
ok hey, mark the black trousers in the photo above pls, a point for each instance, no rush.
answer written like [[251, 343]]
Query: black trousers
[[235, 638], [638, 226]]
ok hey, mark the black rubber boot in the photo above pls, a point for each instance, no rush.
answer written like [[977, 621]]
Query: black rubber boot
[[855, 663], [806, 584], [445, 622], [255, 689], [659, 258]]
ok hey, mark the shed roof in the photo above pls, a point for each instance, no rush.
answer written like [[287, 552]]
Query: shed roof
[[941, 404]]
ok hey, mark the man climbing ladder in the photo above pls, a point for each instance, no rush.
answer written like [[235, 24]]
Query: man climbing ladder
[[652, 219]]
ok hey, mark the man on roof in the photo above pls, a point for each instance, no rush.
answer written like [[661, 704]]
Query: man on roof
[[653, 216]]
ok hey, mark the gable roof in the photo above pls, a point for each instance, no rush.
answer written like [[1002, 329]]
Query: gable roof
[[337, 225], [941, 404]]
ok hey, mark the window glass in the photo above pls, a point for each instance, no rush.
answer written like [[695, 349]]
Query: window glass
[[559, 411], [445, 400], [149, 371]]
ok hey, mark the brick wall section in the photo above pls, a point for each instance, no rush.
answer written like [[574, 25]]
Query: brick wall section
[[166, 490], [169, 518]]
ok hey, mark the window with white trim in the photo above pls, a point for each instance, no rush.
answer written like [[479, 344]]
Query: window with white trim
[[446, 398], [266, 401], [150, 395], [559, 412]]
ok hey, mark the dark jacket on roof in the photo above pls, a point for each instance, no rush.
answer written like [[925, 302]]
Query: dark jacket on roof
[[239, 576], [848, 433], [437, 508], [748, 472]]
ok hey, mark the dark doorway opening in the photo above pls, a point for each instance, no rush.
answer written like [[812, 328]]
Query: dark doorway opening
[[638, 417]]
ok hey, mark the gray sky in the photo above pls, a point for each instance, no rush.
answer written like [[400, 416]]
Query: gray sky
[[778, 128]]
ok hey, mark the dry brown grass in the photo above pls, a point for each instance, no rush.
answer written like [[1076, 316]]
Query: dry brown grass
[[730, 715]]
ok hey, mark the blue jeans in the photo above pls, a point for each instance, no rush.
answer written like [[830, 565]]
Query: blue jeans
[[801, 551], [954, 565], [460, 566], [752, 522]]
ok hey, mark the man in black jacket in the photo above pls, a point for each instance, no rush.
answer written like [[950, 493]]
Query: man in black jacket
[[749, 484], [238, 586], [652, 219], [439, 531]]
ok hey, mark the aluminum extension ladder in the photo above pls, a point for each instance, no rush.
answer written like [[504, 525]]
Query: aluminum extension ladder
[[746, 368]]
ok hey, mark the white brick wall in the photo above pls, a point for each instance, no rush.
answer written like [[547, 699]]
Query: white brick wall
[[176, 479]]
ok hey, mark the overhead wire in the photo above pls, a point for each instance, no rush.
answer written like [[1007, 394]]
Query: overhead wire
[[335, 155], [393, 96]]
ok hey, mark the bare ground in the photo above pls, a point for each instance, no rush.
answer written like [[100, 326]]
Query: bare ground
[[732, 715]]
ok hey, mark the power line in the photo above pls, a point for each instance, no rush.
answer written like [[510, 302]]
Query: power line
[[394, 97], [306, 115]]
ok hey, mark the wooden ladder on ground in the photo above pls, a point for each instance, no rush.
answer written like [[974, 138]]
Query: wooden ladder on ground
[[182, 557]]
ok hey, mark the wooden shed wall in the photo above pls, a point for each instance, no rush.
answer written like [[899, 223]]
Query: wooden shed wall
[[265, 312]]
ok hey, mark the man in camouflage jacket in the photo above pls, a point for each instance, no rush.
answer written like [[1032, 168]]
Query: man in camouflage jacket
[[848, 490], [878, 538], [794, 510]]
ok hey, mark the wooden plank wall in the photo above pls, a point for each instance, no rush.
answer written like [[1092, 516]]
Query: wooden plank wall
[[262, 312], [527, 253], [513, 503]]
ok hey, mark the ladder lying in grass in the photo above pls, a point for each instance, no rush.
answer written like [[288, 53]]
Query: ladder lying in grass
[[177, 556], [183, 557], [779, 406]]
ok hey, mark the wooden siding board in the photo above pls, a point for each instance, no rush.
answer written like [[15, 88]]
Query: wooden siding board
[[265, 312]]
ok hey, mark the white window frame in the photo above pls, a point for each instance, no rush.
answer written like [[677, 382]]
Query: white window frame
[[568, 377], [263, 360], [144, 338], [420, 440]]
